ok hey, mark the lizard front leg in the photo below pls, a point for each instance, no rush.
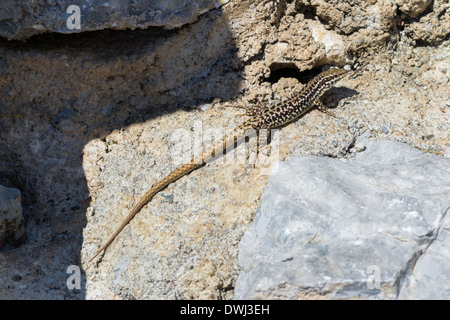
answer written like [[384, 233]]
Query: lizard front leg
[[322, 108]]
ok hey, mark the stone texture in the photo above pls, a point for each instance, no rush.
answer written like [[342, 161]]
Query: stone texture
[[429, 278], [20, 20], [89, 121], [63, 104], [328, 228], [413, 8], [432, 27], [335, 51], [12, 228]]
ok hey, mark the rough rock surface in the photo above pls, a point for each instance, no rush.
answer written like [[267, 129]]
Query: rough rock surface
[[89, 121], [12, 228], [373, 227], [413, 8], [20, 20]]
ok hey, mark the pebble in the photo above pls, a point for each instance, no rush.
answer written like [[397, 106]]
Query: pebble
[[169, 198], [205, 106], [385, 129], [360, 146]]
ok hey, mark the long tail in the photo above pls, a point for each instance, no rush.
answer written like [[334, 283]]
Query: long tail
[[173, 176], [195, 163]]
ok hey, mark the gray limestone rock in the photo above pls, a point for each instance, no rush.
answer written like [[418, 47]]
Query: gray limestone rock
[[22, 19], [374, 228]]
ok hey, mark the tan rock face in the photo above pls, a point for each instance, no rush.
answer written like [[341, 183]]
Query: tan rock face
[[89, 122], [433, 27], [413, 8]]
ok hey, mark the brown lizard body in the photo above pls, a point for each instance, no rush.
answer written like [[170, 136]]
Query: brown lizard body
[[267, 118]]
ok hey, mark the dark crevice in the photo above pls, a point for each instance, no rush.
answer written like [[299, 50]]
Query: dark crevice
[[399, 22], [290, 70], [439, 16], [280, 12], [309, 12], [106, 43]]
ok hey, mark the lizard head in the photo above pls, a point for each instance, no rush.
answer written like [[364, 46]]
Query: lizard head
[[322, 82], [329, 77]]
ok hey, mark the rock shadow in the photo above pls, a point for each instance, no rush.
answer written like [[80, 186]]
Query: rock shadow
[[58, 92]]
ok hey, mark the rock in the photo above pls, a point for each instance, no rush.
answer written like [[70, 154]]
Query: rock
[[375, 227], [433, 27], [79, 88], [86, 121], [22, 19], [413, 8], [372, 18], [360, 146], [135, 74], [335, 51], [429, 277], [12, 228]]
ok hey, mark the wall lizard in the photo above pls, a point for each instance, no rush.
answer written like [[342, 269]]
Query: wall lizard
[[260, 118]]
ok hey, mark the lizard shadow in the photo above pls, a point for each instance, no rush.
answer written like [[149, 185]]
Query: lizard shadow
[[334, 95], [59, 92]]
